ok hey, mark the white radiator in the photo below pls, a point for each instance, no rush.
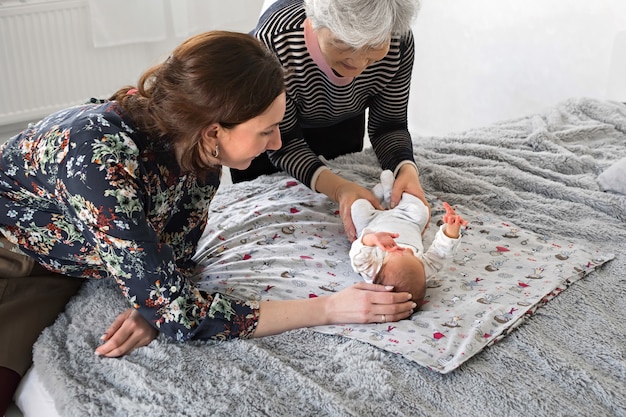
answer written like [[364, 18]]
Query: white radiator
[[47, 61]]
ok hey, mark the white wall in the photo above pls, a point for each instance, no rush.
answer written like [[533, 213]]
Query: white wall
[[187, 17], [481, 61], [102, 46], [477, 61]]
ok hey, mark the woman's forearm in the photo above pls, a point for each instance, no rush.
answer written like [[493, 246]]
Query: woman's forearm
[[329, 183], [279, 316], [359, 303]]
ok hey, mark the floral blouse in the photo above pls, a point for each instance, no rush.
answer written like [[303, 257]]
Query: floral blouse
[[87, 195]]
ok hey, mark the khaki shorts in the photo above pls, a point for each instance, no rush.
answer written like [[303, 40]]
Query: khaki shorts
[[31, 298]]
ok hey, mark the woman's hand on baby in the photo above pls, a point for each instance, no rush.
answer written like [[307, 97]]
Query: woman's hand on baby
[[347, 194], [128, 332], [453, 221], [370, 303]]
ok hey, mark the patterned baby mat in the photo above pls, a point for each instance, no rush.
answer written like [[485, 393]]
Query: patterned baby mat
[[276, 239]]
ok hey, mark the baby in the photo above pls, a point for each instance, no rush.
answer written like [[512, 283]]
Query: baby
[[389, 248]]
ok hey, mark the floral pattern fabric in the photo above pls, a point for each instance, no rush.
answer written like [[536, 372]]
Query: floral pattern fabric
[[87, 195]]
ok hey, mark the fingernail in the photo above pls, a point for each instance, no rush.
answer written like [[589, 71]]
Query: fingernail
[[413, 305], [103, 336], [97, 353], [389, 287], [409, 296]]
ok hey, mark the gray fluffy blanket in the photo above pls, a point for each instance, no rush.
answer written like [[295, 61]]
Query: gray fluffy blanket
[[539, 171]]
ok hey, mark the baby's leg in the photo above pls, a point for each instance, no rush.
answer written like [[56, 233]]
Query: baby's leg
[[382, 190], [362, 214]]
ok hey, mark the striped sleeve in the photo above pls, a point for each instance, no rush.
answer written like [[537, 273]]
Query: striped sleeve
[[388, 126]]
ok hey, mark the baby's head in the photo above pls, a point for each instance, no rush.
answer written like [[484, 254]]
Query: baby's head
[[405, 272]]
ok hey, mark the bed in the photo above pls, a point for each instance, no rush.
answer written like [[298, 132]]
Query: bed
[[528, 318]]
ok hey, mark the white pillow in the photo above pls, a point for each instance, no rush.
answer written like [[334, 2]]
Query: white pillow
[[33, 399], [614, 177]]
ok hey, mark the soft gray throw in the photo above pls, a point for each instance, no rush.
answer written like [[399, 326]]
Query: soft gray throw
[[568, 359]]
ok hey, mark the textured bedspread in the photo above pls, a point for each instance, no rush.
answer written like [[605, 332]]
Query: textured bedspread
[[533, 178]]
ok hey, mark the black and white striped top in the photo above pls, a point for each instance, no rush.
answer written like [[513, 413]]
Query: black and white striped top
[[315, 101]]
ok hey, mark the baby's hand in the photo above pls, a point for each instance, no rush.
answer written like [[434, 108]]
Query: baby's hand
[[453, 221], [384, 240]]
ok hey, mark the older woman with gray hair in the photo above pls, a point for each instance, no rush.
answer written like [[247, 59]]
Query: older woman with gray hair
[[342, 57]]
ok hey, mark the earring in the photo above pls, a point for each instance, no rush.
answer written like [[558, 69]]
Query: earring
[[216, 152]]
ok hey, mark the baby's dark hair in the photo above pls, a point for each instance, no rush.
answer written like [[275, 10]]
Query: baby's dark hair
[[404, 277]]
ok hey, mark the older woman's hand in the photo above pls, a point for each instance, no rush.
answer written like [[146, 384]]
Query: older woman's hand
[[346, 194]]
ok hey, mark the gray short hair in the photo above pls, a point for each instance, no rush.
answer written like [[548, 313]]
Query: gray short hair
[[361, 23]]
